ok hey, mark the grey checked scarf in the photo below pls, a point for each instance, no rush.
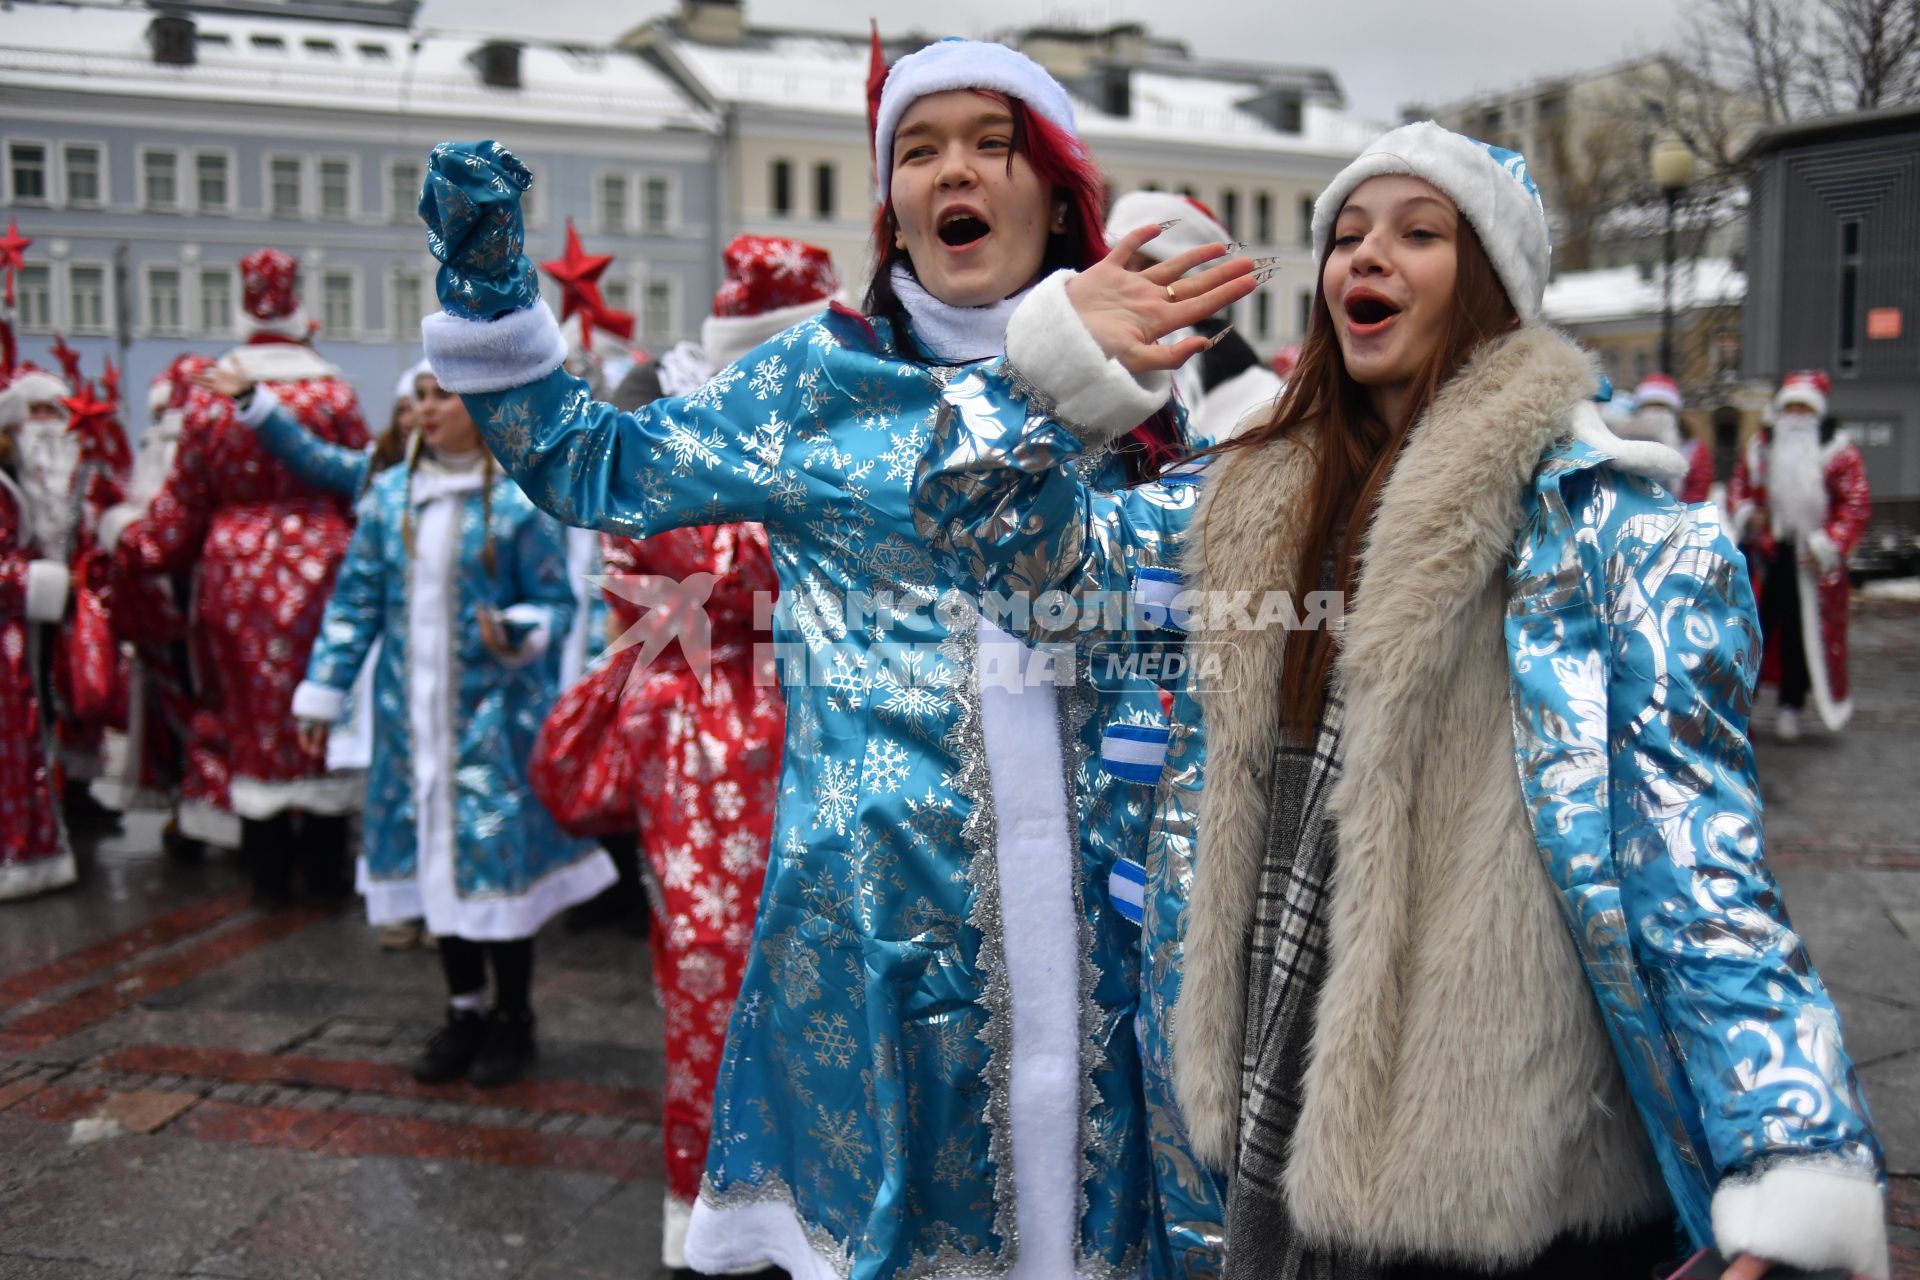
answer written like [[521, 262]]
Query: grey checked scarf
[[1286, 965]]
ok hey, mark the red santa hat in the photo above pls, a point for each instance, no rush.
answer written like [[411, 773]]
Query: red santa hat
[[270, 298], [772, 284], [1807, 388], [1657, 388], [28, 387]]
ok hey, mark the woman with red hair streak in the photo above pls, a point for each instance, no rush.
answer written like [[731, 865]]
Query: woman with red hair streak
[[931, 1067]]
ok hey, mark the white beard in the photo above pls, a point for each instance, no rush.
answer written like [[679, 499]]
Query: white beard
[[1796, 477], [49, 455], [1657, 423]]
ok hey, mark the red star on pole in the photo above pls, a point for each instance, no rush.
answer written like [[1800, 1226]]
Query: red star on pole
[[13, 255], [579, 275], [69, 360], [92, 419]]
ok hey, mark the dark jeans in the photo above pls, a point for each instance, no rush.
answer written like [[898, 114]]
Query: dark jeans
[[1780, 624], [1652, 1250]]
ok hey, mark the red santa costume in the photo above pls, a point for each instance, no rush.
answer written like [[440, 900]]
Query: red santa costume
[[1800, 504], [1656, 416], [263, 549], [172, 752], [34, 853], [696, 743]]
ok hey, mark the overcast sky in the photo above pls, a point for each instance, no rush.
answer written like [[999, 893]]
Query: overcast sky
[[1386, 52]]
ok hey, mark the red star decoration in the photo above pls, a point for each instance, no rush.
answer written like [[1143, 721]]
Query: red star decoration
[[110, 384], [579, 275], [69, 360], [93, 420], [13, 255]]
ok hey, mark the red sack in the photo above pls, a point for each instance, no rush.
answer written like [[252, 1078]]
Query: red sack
[[579, 768], [96, 692]]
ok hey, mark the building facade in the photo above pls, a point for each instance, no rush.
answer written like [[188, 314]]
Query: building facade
[[1834, 282], [146, 153]]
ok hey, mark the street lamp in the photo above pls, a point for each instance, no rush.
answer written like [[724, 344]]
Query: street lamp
[[1672, 164]]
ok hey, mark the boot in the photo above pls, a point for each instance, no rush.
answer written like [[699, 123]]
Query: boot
[[453, 1048], [509, 1050]]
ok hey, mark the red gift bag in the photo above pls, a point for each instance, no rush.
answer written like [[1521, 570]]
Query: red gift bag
[[580, 769]]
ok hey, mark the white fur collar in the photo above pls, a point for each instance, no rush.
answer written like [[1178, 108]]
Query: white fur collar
[[727, 338], [956, 334]]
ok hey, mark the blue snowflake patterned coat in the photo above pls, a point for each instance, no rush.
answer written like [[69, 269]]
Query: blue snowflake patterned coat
[[1633, 649], [507, 844], [866, 1079]]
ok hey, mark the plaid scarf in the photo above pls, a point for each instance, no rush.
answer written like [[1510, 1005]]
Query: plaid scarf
[[1286, 965]]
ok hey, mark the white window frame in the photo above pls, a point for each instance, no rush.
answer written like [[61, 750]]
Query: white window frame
[[428, 302], [636, 293], [356, 303], [673, 221], [395, 214], [632, 219], [47, 149], [645, 334], [53, 299], [106, 175], [146, 327], [233, 181], [141, 151], [304, 213], [234, 286], [319, 205], [64, 316]]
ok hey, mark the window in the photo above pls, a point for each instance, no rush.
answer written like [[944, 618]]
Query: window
[[336, 190], [1306, 222], [214, 40], [321, 48], [780, 187], [160, 179], [87, 298], [1263, 218], [618, 295], [1263, 315], [269, 44], [163, 300], [1186, 189], [656, 203], [213, 185], [1305, 302], [286, 187], [1849, 344], [1230, 211], [34, 294], [825, 189], [1726, 355], [1642, 364], [85, 184], [336, 303], [404, 178], [27, 165], [375, 52], [657, 323], [613, 202], [406, 306], [216, 299], [1551, 107]]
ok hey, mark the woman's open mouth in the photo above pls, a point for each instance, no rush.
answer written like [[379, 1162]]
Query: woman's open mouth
[[1369, 314], [963, 227]]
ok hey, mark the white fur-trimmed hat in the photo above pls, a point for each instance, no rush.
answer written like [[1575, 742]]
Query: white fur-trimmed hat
[[1489, 185], [30, 387], [1658, 388], [1807, 388], [963, 64], [1194, 224]]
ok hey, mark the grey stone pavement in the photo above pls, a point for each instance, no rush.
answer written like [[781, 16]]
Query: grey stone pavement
[[192, 1088]]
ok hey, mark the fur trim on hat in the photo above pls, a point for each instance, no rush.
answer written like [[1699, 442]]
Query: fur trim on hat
[[727, 338], [1191, 226], [1490, 186], [33, 386], [963, 64]]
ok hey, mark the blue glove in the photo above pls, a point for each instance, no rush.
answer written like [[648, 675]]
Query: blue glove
[[470, 202]]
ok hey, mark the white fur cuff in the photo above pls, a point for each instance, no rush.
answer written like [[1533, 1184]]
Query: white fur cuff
[[115, 521], [538, 621], [317, 702], [47, 583], [1807, 1216], [1093, 395], [478, 356], [259, 407], [1824, 553]]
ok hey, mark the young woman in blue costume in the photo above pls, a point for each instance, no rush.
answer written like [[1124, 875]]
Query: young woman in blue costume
[[930, 1070], [1476, 966]]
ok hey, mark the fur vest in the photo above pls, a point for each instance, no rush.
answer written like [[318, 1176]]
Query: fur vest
[[1461, 1097]]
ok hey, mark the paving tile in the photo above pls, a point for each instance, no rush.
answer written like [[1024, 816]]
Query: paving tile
[[19, 1089], [434, 1140], [619, 1240], [18, 1267], [260, 1126], [146, 1110]]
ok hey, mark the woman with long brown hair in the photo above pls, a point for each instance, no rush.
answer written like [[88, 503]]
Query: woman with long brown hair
[[1459, 925]]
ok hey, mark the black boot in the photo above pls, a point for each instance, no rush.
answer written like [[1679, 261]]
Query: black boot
[[509, 1050], [453, 1048], [325, 861], [266, 847]]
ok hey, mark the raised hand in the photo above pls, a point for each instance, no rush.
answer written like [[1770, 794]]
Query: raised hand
[[1128, 312], [470, 202]]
